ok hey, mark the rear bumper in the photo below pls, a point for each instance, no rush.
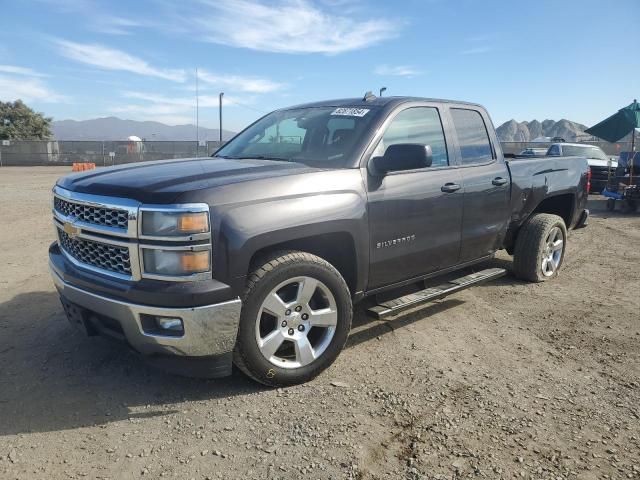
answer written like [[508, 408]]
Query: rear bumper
[[207, 341]]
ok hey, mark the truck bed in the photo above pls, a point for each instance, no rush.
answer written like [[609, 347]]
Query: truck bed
[[535, 178]]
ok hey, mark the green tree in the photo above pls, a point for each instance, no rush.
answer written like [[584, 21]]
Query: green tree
[[19, 122]]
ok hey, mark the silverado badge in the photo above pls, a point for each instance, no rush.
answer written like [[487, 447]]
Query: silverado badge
[[396, 241], [71, 230]]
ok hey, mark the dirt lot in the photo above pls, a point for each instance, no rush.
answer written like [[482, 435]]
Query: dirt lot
[[500, 381]]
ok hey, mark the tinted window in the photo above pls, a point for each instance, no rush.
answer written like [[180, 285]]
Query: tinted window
[[586, 151], [554, 150], [472, 136], [420, 125], [315, 136]]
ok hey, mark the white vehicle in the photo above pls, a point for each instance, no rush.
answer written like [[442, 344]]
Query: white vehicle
[[601, 165]]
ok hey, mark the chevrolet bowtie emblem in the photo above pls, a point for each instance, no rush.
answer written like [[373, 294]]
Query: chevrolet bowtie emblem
[[71, 229]]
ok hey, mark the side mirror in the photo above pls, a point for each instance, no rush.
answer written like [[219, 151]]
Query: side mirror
[[402, 156]]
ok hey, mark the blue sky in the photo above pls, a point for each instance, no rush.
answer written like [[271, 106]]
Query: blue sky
[[84, 59]]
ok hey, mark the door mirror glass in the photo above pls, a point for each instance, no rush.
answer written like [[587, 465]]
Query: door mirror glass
[[402, 156]]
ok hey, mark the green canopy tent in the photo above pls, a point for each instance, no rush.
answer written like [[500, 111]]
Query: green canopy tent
[[621, 123]]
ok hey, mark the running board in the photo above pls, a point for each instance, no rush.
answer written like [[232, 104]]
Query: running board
[[397, 305]]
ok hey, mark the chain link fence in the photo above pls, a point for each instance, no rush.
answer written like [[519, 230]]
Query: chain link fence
[[52, 153], [611, 149]]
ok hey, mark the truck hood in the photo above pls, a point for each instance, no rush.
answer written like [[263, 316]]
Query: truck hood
[[164, 181]]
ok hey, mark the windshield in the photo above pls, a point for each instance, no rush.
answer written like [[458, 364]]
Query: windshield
[[586, 151], [315, 136]]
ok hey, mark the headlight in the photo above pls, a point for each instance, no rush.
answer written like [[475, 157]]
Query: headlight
[[176, 262], [174, 224]]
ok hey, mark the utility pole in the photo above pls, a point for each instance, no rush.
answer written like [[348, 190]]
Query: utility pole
[[220, 111], [197, 115]]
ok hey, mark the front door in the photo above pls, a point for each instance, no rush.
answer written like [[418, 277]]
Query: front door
[[415, 215]]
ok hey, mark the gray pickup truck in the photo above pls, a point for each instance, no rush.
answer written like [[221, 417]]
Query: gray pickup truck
[[257, 255]]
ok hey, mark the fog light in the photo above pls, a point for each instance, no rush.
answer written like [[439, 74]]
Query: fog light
[[164, 326], [171, 324]]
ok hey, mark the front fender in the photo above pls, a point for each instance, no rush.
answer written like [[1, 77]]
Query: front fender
[[246, 229]]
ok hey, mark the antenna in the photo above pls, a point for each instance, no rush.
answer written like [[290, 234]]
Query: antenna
[[220, 108], [382, 90], [197, 115]]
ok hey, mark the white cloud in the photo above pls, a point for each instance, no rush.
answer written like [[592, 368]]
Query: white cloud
[[165, 109], [96, 17], [112, 59], [115, 25], [284, 26], [14, 70], [27, 89], [240, 83], [396, 71], [204, 101]]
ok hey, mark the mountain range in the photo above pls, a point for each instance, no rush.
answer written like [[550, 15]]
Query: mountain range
[[113, 128], [513, 131]]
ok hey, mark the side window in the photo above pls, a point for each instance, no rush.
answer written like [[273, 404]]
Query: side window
[[472, 136], [420, 125]]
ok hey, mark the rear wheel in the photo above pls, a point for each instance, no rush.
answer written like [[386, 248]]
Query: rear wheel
[[540, 247], [296, 318]]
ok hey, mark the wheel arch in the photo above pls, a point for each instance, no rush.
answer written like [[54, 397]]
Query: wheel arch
[[562, 205], [337, 248]]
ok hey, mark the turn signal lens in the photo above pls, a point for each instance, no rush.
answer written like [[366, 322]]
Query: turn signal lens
[[195, 261], [193, 222]]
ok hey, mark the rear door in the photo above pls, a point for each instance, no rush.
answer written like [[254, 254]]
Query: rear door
[[486, 209], [414, 221]]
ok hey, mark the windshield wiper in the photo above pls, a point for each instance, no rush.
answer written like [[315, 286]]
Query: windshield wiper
[[260, 157]]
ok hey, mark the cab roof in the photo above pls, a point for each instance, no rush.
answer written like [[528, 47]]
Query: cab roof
[[374, 101]]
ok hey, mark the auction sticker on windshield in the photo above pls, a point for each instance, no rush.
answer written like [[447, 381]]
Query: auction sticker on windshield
[[350, 112]]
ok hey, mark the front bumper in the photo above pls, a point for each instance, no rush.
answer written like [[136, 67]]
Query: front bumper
[[209, 330]]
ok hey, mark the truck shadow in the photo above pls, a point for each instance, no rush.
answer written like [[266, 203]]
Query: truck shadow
[[53, 378]]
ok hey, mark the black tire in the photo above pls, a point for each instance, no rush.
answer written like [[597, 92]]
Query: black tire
[[531, 244], [611, 204], [272, 271]]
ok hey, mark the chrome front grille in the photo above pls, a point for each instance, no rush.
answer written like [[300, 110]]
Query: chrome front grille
[[103, 235], [95, 215], [104, 256]]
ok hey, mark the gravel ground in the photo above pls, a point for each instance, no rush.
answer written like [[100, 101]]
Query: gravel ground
[[506, 380]]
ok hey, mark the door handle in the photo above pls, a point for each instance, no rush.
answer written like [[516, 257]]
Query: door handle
[[450, 187], [499, 181]]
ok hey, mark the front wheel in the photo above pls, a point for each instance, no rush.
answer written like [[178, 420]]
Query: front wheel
[[295, 320], [540, 247]]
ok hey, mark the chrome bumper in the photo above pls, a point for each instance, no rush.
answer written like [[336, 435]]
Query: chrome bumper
[[208, 330]]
